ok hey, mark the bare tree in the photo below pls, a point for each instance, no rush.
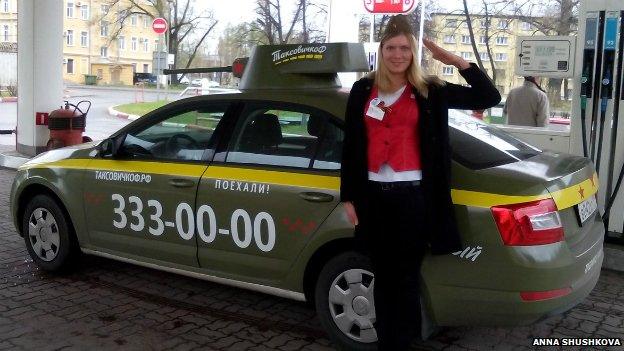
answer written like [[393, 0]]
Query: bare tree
[[185, 23], [269, 21]]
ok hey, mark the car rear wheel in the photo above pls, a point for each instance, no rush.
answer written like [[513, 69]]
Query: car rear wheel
[[47, 234], [344, 301]]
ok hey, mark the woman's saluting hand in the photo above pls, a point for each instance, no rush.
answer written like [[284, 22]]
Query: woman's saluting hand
[[445, 56]]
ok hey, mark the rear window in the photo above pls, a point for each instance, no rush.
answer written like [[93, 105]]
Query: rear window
[[478, 145]]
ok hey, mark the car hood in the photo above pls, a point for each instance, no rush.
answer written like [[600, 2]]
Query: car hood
[[86, 150]]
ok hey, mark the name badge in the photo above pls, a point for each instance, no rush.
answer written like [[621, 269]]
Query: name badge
[[373, 111]]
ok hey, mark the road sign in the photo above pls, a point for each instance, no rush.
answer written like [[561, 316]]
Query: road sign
[[390, 6], [159, 25]]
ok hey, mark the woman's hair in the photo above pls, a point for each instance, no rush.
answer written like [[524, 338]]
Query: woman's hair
[[532, 80], [398, 25]]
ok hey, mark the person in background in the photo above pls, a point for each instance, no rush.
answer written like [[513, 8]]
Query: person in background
[[527, 105]]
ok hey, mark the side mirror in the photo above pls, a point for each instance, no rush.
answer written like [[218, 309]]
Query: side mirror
[[108, 147]]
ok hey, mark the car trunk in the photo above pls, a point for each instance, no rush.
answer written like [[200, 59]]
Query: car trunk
[[570, 180]]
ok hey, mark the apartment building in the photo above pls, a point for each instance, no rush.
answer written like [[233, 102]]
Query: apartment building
[[95, 41], [452, 34]]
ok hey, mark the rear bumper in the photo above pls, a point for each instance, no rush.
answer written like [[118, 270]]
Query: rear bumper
[[485, 307]]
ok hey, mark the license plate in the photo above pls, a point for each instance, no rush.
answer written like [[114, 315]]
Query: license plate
[[586, 208]]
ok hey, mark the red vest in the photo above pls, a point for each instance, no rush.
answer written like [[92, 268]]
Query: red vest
[[394, 140]]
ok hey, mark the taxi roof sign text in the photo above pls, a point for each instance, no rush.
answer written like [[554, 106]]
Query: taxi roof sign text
[[390, 6]]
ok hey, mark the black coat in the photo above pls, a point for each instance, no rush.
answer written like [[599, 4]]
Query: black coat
[[441, 227]]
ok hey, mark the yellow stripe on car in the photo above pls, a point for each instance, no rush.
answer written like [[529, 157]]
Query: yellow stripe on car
[[575, 194], [273, 177], [174, 169], [564, 198]]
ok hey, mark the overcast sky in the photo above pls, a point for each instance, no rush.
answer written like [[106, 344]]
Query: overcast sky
[[244, 11]]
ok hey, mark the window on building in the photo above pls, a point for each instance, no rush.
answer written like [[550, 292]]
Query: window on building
[[84, 67], [500, 56], [70, 38], [525, 26], [70, 66], [465, 39], [146, 22], [105, 9], [70, 9], [501, 40], [133, 20], [104, 29], [484, 23], [145, 44], [145, 68], [483, 55], [134, 65], [5, 33], [5, 5], [84, 39], [451, 23], [134, 44], [104, 51], [447, 70], [121, 42], [483, 40], [449, 39], [503, 24], [466, 55], [84, 12]]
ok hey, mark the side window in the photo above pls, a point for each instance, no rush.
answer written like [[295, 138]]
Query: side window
[[184, 136], [329, 150], [279, 137]]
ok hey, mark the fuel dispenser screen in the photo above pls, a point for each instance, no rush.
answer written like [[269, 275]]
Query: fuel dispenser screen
[[546, 56]]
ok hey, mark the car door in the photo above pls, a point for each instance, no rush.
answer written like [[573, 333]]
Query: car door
[[141, 202], [264, 196]]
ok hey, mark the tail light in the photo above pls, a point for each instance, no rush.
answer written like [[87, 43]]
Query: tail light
[[531, 223], [544, 295]]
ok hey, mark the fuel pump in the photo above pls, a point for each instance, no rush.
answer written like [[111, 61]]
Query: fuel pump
[[589, 55], [606, 89], [596, 83], [614, 126]]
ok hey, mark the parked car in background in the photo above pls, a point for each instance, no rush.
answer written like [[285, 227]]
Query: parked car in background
[[143, 78]]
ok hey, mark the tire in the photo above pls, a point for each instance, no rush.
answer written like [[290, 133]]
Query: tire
[[48, 236], [351, 306]]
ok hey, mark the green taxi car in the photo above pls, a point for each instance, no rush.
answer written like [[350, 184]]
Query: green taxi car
[[243, 189]]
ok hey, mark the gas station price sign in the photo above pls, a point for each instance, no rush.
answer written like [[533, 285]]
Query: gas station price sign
[[390, 6], [551, 57]]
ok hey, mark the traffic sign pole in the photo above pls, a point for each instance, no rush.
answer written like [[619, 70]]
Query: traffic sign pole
[[159, 26]]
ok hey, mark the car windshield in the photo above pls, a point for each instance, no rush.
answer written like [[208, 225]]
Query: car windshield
[[478, 145]]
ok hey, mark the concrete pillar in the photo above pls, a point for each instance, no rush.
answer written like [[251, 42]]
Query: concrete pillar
[[39, 70], [343, 27]]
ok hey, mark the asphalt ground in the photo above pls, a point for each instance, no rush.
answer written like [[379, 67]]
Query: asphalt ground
[[106, 305]]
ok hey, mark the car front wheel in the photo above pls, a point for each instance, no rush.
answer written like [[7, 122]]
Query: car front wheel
[[47, 234], [344, 301]]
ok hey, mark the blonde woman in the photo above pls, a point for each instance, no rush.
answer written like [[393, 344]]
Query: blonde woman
[[395, 179]]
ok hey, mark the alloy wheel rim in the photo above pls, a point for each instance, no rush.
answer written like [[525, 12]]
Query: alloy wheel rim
[[352, 306], [43, 234]]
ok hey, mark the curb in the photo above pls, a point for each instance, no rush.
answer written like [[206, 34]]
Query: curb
[[9, 99], [115, 113]]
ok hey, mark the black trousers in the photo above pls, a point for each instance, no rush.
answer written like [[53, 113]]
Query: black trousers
[[390, 229]]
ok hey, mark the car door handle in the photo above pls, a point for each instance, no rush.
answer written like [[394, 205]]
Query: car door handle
[[316, 197], [181, 183]]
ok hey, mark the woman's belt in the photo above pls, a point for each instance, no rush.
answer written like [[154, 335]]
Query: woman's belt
[[393, 185]]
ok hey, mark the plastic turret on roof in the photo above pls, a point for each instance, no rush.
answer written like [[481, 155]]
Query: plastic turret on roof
[[296, 66]]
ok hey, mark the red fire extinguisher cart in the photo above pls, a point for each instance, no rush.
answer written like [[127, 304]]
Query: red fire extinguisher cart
[[67, 124]]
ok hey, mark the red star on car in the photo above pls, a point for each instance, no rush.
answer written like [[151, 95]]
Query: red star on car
[[581, 191], [593, 182]]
